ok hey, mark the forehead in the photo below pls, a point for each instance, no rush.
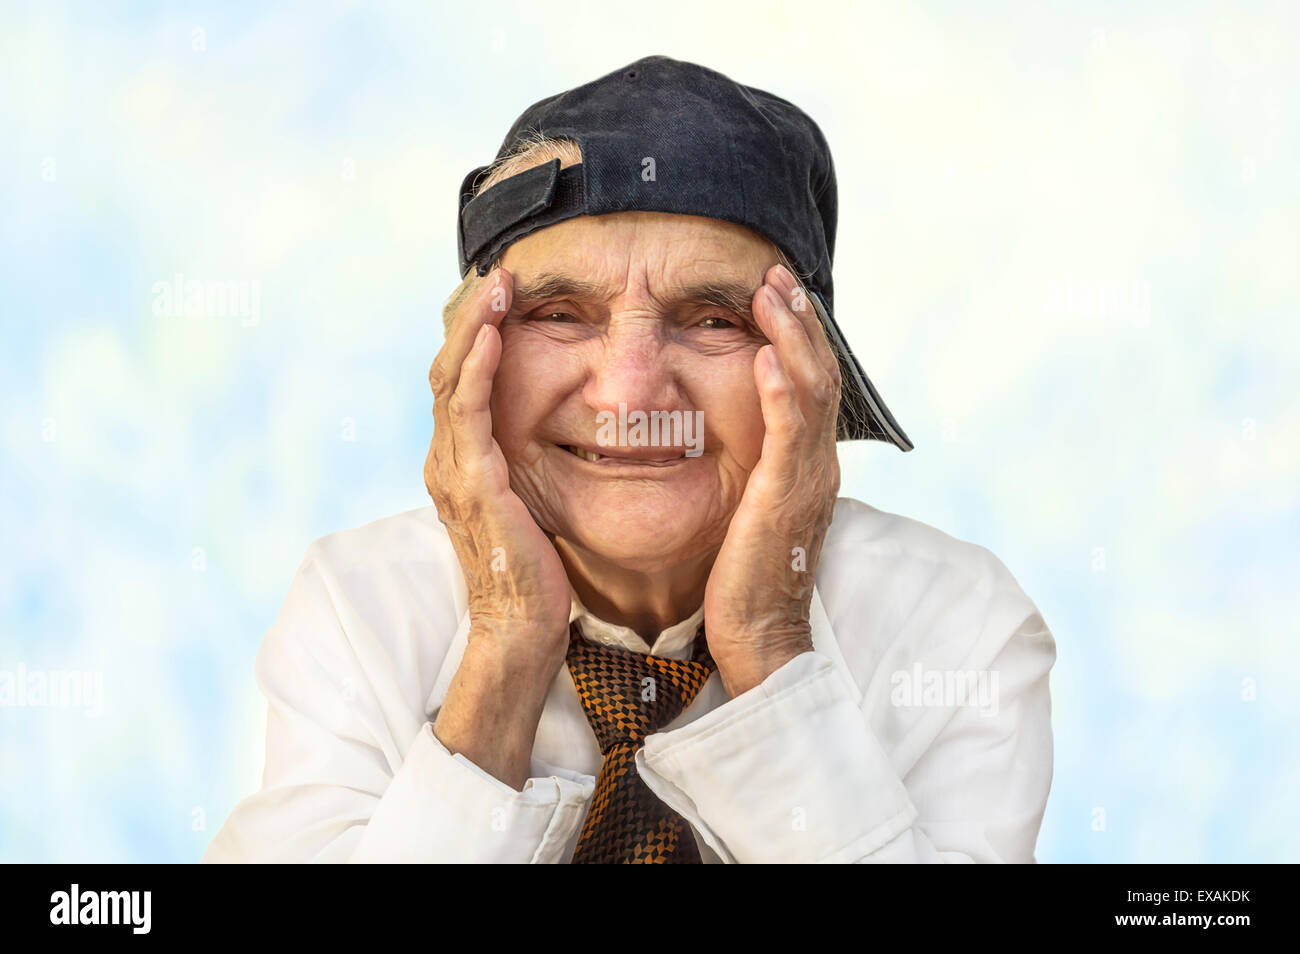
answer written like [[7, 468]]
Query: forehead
[[654, 251]]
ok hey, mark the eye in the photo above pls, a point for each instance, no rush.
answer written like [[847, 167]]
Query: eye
[[562, 317], [721, 323]]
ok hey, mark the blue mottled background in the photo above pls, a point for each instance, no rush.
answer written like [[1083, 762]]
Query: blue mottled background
[[1067, 256]]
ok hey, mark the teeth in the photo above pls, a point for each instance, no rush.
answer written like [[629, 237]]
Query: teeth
[[584, 454]]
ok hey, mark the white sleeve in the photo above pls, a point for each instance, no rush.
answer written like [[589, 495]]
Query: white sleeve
[[791, 771], [442, 807], [351, 775]]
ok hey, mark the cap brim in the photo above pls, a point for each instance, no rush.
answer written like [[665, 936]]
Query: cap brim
[[863, 414]]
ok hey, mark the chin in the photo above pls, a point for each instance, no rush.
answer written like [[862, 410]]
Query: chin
[[643, 518], [641, 537]]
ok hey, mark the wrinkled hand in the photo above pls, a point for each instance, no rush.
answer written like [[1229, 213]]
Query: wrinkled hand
[[759, 593], [519, 595]]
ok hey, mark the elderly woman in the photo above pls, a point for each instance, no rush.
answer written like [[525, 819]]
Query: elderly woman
[[638, 624]]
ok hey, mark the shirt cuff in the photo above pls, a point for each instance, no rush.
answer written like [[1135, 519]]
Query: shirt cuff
[[788, 771], [442, 807]]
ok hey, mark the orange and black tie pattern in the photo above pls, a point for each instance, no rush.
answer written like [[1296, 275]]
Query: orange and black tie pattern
[[628, 695]]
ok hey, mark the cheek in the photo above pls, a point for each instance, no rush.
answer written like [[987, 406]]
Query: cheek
[[724, 389], [530, 382]]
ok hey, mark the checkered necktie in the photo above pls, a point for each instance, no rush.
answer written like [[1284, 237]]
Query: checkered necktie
[[628, 695]]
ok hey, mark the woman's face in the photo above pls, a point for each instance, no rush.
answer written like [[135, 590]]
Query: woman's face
[[649, 311]]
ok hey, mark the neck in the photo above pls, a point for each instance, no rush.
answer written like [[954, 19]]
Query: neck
[[645, 601]]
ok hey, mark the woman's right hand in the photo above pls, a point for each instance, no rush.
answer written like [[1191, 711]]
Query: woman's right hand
[[519, 594]]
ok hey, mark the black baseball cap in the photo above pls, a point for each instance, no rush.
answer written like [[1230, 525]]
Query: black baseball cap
[[718, 149]]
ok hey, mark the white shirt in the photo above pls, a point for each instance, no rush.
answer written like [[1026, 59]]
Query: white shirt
[[866, 749]]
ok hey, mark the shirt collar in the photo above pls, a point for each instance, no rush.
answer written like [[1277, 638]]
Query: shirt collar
[[824, 641], [674, 639]]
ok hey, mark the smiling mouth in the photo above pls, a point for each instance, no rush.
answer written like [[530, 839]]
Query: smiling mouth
[[595, 458], [584, 454]]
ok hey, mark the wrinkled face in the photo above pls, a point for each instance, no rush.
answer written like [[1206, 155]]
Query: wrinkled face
[[621, 316]]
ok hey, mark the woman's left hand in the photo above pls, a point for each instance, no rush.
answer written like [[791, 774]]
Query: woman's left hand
[[756, 603]]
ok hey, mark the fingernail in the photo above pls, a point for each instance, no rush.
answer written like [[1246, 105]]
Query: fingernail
[[481, 336], [774, 297], [784, 279]]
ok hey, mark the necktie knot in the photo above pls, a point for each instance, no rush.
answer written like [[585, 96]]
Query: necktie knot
[[628, 695]]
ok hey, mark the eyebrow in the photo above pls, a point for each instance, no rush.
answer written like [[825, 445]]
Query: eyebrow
[[735, 296]]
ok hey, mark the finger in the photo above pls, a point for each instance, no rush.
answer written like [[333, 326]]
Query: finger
[[470, 413], [794, 348], [488, 305], [783, 421], [800, 303]]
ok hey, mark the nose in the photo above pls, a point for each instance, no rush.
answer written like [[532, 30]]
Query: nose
[[631, 365]]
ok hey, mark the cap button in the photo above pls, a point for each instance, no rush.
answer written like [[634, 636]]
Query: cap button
[[630, 74]]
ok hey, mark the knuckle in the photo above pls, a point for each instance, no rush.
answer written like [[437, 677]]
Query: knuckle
[[438, 379], [456, 409], [474, 469], [781, 386], [823, 390]]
